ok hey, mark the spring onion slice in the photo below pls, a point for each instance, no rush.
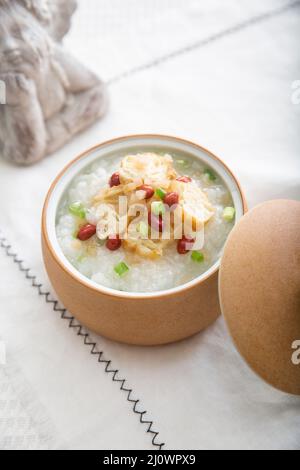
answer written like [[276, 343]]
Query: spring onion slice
[[78, 210], [121, 269], [229, 214], [160, 193], [183, 163], [197, 256], [210, 174]]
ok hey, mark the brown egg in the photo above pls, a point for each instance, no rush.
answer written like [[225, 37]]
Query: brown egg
[[260, 291]]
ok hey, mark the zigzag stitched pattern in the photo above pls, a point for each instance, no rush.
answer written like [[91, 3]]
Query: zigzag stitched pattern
[[74, 324]]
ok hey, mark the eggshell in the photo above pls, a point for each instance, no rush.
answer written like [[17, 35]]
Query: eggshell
[[259, 287]]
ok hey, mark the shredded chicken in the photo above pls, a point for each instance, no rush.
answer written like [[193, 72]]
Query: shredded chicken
[[146, 248], [194, 203], [155, 170]]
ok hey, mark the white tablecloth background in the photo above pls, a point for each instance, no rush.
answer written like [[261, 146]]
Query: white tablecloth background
[[232, 95]]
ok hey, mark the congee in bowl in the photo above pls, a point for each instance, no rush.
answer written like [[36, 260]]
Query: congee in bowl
[[133, 232], [145, 220]]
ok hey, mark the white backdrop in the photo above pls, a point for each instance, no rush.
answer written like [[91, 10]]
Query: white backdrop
[[233, 95]]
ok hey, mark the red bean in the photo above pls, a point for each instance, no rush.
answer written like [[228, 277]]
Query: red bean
[[114, 180], [113, 242], [86, 232], [148, 190], [184, 179], [156, 222], [184, 245], [171, 199]]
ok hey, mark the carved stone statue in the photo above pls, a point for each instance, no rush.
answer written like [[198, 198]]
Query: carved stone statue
[[50, 96]]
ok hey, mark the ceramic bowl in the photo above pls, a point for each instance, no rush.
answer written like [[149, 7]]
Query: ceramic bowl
[[134, 318]]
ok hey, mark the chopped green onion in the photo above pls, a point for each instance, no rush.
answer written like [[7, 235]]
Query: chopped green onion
[[158, 208], [143, 229], [81, 258], [160, 193], [210, 174], [77, 209], [229, 214], [183, 163], [121, 269], [197, 256], [101, 242]]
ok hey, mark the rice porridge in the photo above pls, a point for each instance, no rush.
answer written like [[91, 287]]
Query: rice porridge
[[145, 222]]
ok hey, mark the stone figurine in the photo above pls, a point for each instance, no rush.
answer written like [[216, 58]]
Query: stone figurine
[[50, 96]]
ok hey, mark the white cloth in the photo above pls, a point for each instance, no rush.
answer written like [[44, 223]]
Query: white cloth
[[232, 96]]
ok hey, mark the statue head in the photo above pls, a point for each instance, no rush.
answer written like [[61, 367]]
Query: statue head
[[27, 29], [24, 42]]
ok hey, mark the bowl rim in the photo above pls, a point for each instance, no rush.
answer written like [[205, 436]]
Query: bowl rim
[[110, 292]]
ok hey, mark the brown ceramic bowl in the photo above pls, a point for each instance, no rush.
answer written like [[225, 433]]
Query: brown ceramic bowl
[[134, 318]]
